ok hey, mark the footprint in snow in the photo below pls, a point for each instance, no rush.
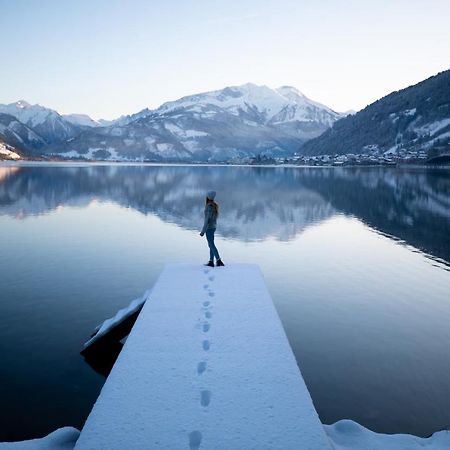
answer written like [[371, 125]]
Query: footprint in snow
[[195, 439], [206, 304], [201, 367], [205, 286], [205, 345], [208, 314], [205, 398], [206, 327], [211, 278]]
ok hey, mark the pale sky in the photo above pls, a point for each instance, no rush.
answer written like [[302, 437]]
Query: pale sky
[[106, 58]]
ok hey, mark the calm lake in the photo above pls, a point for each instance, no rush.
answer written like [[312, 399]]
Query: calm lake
[[357, 262]]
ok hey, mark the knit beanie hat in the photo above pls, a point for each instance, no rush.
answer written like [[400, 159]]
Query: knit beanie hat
[[211, 195]]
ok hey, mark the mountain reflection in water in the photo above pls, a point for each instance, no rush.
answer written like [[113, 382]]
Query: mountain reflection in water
[[257, 203]]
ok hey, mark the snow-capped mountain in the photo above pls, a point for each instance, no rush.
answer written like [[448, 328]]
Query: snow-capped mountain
[[237, 121], [270, 105], [82, 120], [234, 122], [47, 123], [259, 104], [19, 136]]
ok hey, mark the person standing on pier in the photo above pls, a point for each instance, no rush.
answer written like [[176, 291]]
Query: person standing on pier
[[209, 228]]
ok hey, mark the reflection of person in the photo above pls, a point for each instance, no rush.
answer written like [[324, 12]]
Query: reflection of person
[[209, 228]]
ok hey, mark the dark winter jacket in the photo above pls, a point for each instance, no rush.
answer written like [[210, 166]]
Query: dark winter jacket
[[210, 218]]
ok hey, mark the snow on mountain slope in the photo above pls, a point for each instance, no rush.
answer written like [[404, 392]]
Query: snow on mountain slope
[[82, 120], [18, 135], [44, 121], [234, 122], [233, 99], [263, 103], [31, 115], [106, 123], [7, 152], [416, 118], [302, 109]]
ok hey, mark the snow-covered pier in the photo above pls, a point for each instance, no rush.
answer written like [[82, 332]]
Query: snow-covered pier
[[207, 365]]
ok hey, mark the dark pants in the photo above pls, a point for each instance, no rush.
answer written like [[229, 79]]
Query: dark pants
[[212, 248]]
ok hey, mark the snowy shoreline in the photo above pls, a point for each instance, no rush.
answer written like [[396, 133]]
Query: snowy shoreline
[[343, 435]]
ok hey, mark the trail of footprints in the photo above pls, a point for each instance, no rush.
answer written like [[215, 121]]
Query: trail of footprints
[[195, 437]]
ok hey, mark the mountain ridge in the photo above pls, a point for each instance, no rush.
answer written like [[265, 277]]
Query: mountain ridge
[[46, 122], [19, 136], [234, 122], [416, 118]]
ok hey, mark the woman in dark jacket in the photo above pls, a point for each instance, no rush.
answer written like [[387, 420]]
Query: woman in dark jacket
[[209, 228]]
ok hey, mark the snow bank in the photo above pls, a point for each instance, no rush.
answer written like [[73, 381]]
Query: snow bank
[[120, 316], [349, 435], [343, 435], [6, 152], [61, 439]]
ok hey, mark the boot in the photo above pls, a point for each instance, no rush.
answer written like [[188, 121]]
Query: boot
[[219, 263], [210, 264]]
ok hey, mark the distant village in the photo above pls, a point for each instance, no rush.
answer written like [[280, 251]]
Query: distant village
[[373, 158]]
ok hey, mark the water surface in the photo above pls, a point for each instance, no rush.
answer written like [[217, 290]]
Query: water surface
[[356, 260]]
